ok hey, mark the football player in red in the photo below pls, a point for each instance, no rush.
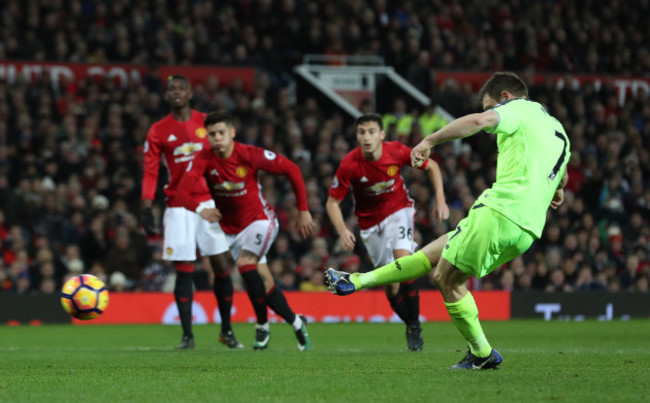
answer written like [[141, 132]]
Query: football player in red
[[384, 210], [230, 169], [175, 139]]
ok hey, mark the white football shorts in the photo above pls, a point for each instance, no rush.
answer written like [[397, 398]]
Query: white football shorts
[[184, 230], [394, 232], [256, 238]]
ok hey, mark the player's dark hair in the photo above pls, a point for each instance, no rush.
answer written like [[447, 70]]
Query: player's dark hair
[[217, 117], [503, 81], [370, 117], [178, 77]]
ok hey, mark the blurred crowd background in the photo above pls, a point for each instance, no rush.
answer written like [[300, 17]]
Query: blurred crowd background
[[71, 156]]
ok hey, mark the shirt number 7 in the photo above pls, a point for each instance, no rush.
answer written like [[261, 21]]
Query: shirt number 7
[[558, 164]]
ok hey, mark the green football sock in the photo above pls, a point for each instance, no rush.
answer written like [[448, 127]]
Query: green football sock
[[403, 269], [464, 315]]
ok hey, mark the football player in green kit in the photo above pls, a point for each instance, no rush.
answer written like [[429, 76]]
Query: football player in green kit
[[503, 222]]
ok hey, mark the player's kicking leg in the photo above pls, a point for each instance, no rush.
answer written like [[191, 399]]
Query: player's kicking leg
[[451, 282], [275, 300], [403, 269]]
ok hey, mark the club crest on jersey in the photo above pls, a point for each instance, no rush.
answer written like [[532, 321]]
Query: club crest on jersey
[[214, 172], [269, 155], [226, 185], [169, 250], [188, 148], [392, 170], [241, 171], [201, 132]]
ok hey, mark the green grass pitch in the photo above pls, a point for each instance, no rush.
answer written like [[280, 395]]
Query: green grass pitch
[[543, 361]]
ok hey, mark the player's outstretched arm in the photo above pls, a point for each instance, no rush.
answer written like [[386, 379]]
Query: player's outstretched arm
[[440, 210], [336, 217], [457, 129]]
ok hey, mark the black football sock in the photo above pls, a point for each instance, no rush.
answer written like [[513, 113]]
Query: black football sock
[[183, 295], [276, 301], [255, 289], [399, 306], [411, 293], [223, 291]]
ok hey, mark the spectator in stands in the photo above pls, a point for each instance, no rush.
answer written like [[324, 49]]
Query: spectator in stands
[[399, 118], [557, 282], [315, 282], [126, 256], [630, 274], [287, 281], [430, 120], [155, 274]]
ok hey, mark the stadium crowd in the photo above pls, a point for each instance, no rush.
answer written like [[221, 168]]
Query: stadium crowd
[[576, 36], [71, 157]]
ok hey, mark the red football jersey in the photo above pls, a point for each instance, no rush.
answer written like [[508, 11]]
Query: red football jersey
[[176, 142], [378, 187], [234, 185]]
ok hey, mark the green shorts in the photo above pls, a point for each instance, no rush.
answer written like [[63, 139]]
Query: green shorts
[[484, 240]]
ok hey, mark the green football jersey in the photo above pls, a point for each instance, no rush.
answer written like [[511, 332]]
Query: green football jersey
[[533, 154]]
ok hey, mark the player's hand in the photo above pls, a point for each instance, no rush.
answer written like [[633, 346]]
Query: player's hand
[[420, 153], [348, 240], [306, 226], [211, 215], [558, 199], [441, 212], [149, 222]]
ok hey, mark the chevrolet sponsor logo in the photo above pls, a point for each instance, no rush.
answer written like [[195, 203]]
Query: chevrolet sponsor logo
[[381, 187], [188, 149], [229, 185]]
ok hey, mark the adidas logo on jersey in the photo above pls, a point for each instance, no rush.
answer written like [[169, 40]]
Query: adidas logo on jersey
[[172, 137], [363, 179]]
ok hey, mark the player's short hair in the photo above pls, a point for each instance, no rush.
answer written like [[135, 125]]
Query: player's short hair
[[370, 117], [178, 77], [217, 117], [503, 81]]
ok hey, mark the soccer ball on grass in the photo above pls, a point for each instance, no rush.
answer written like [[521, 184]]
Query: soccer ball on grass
[[84, 297]]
